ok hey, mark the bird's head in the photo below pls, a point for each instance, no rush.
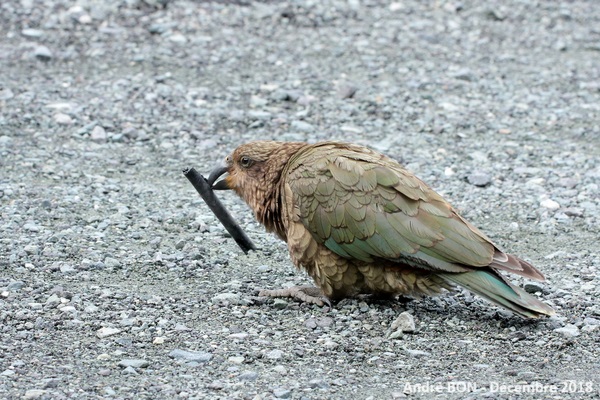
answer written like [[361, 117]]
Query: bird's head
[[253, 170]]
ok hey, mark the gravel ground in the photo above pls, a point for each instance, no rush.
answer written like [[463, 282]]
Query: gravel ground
[[117, 282]]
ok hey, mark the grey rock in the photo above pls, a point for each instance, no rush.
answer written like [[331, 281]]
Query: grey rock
[[248, 376], [134, 363], [190, 355], [404, 323], [42, 53], [479, 178], [228, 298], [568, 331], [15, 286], [32, 33], [98, 134], [280, 304], [417, 353], [274, 354], [302, 126], [106, 332], [533, 288], [34, 394], [129, 371], [282, 393]]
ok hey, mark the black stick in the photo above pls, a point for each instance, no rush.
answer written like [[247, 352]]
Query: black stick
[[218, 209]]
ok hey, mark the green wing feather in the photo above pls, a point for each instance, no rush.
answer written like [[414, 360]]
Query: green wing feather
[[362, 205], [368, 201], [493, 288]]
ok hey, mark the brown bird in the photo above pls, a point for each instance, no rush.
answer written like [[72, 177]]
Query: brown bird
[[358, 222]]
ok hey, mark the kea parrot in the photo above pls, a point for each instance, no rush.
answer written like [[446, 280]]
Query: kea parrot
[[359, 223]]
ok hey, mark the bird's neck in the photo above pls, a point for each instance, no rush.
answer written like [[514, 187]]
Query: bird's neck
[[269, 213]]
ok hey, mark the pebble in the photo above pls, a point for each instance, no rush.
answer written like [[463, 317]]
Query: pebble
[[63, 119], [274, 354], [106, 332], [32, 33], [279, 304], [31, 249], [42, 53], [302, 126], [236, 360], [533, 288], [568, 331], [418, 353], [226, 298], [404, 323], [346, 91], [550, 204], [134, 363], [280, 369], [129, 371], [282, 393], [14, 286], [98, 134], [479, 179], [34, 394], [6, 94], [189, 355], [248, 376]]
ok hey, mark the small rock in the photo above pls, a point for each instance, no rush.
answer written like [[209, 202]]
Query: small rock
[[178, 38], [42, 53], [346, 91], [274, 354], [187, 355], [280, 304], [236, 360], [396, 334], [63, 119], [227, 298], [14, 286], [106, 332], [282, 393], [34, 394], [216, 385], [318, 383], [533, 288], [404, 323], [324, 322], [550, 204], [6, 94], [280, 369], [248, 376], [134, 363], [239, 335], [32, 33], [464, 74], [98, 134], [310, 323], [417, 353], [301, 126], [480, 179], [130, 371], [31, 249], [568, 331]]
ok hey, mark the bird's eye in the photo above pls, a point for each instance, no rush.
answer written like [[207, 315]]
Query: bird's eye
[[245, 161]]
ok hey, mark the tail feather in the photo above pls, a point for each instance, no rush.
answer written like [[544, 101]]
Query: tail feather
[[492, 287]]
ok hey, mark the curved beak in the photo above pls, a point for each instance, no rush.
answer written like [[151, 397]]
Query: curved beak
[[216, 174]]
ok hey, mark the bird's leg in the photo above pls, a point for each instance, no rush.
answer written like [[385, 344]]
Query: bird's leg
[[307, 294]]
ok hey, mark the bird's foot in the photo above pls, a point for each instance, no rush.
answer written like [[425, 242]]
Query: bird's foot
[[307, 294]]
